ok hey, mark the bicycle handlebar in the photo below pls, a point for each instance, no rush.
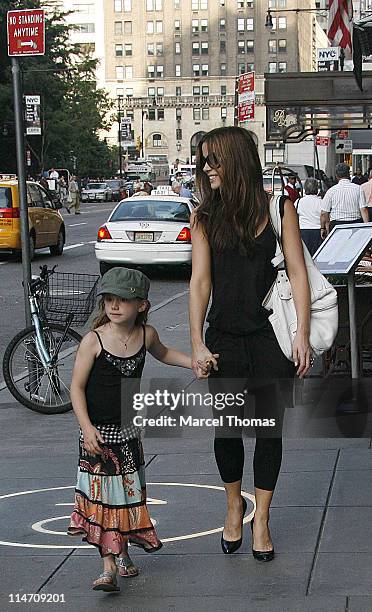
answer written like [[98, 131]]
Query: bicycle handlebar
[[44, 275]]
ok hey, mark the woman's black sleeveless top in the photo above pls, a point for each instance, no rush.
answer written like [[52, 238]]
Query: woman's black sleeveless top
[[111, 384], [240, 283]]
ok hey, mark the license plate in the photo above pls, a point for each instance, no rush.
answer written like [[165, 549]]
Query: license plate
[[144, 237]]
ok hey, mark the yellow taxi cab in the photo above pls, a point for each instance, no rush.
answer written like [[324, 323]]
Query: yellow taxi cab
[[47, 228]]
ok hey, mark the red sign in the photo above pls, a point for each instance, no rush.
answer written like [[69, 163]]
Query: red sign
[[246, 96], [26, 32], [342, 134], [322, 141]]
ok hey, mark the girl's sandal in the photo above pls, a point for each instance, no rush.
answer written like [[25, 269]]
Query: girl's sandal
[[106, 582], [126, 567]]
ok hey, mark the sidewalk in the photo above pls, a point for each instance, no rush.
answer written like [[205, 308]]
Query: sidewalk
[[321, 518]]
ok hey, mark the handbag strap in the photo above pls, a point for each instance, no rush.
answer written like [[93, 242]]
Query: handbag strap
[[276, 224]]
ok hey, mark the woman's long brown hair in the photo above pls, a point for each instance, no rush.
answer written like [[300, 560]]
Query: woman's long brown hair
[[231, 215], [102, 317]]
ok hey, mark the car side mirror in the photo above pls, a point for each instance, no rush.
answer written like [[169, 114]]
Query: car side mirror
[[57, 204]]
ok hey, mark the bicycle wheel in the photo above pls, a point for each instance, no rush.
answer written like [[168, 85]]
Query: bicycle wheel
[[29, 382]]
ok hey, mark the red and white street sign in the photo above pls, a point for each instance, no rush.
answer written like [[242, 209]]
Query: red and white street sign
[[322, 141], [343, 134], [246, 96], [26, 32]]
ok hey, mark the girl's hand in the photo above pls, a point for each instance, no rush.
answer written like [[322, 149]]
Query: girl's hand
[[203, 361], [92, 437], [302, 354]]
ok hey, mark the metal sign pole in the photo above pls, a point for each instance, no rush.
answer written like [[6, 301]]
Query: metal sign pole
[[22, 189], [353, 326]]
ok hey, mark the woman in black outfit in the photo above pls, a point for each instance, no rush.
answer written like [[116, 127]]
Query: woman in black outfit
[[233, 245]]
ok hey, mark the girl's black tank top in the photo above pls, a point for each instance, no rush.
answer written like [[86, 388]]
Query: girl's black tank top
[[240, 283], [111, 385]]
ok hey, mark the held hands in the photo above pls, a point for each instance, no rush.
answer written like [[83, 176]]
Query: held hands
[[302, 354], [203, 361], [92, 437]]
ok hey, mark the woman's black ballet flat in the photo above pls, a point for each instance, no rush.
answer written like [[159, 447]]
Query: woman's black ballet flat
[[267, 555], [229, 546]]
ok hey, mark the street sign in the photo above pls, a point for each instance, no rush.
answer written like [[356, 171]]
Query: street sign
[[343, 134], [126, 131], [32, 116], [26, 32], [322, 141], [246, 96], [330, 54], [344, 146]]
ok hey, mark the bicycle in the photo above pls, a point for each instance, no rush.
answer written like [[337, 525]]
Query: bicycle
[[38, 361]]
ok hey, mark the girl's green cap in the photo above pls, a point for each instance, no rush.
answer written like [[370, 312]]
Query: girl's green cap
[[125, 283]]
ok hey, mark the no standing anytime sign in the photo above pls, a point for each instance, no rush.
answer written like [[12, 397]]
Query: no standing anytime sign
[[26, 32]]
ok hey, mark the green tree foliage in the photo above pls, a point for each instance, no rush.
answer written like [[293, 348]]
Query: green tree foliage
[[73, 110]]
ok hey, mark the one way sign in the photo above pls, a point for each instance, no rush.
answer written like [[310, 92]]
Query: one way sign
[[26, 32]]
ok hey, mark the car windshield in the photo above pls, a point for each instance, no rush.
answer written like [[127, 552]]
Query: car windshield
[[5, 197], [267, 182], [154, 210], [113, 184], [96, 186]]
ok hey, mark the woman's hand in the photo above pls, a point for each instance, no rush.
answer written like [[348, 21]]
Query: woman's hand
[[203, 361], [302, 353], [92, 437]]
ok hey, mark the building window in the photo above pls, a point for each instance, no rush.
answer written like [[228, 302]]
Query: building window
[[197, 5], [196, 114], [178, 134], [282, 45], [128, 49], [150, 49], [177, 4], [272, 66], [196, 70], [119, 70], [177, 25], [129, 92], [178, 114], [282, 3], [196, 90], [178, 91], [151, 114], [154, 5], [241, 24], [223, 112], [222, 25], [159, 27], [241, 68], [203, 5], [118, 6], [250, 67], [222, 2], [156, 140], [118, 50], [118, 27], [205, 90], [129, 72], [160, 92], [282, 67], [282, 23], [223, 69], [160, 71], [223, 90], [195, 48], [177, 48], [128, 27], [240, 4], [178, 70], [151, 71], [204, 48], [250, 24], [274, 153], [127, 6], [195, 26], [119, 92], [250, 46], [222, 46], [272, 45], [150, 27], [205, 114], [159, 48], [205, 69], [85, 28], [204, 25], [151, 92], [241, 47]]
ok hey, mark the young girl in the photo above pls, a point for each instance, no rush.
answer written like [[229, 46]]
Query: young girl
[[110, 497]]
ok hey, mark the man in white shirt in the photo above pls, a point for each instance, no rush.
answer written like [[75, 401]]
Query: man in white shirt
[[53, 174], [343, 203]]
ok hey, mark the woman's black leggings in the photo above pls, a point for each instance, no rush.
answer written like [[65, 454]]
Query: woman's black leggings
[[255, 367]]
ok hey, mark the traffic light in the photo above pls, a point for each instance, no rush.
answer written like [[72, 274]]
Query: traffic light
[[138, 143]]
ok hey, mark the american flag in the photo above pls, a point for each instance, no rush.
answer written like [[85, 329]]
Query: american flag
[[339, 23]]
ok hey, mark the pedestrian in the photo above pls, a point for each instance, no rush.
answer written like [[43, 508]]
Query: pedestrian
[[367, 190], [63, 192], [233, 245], [53, 174], [74, 195], [290, 187], [139, 189], [110, 496], [309, 209], [358, 177], [343, 203]]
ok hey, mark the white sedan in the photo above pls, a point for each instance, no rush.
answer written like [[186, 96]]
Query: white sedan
[[146, 230]]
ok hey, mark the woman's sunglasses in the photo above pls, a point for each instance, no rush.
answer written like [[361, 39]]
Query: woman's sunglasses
[[211, 160]]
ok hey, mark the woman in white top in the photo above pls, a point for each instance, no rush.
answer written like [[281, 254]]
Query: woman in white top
[[308, 209]]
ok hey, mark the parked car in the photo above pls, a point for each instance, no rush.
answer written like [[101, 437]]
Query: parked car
[[116, 186], [145, 230], [274, 179], [47, 228], [96, 192]]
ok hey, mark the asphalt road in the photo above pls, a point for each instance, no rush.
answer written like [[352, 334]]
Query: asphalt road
[[78, 256]]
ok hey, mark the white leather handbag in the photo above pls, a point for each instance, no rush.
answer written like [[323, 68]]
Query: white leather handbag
[[323, 298]]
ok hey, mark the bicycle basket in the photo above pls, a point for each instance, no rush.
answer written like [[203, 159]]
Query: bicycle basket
[[67, 293]]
